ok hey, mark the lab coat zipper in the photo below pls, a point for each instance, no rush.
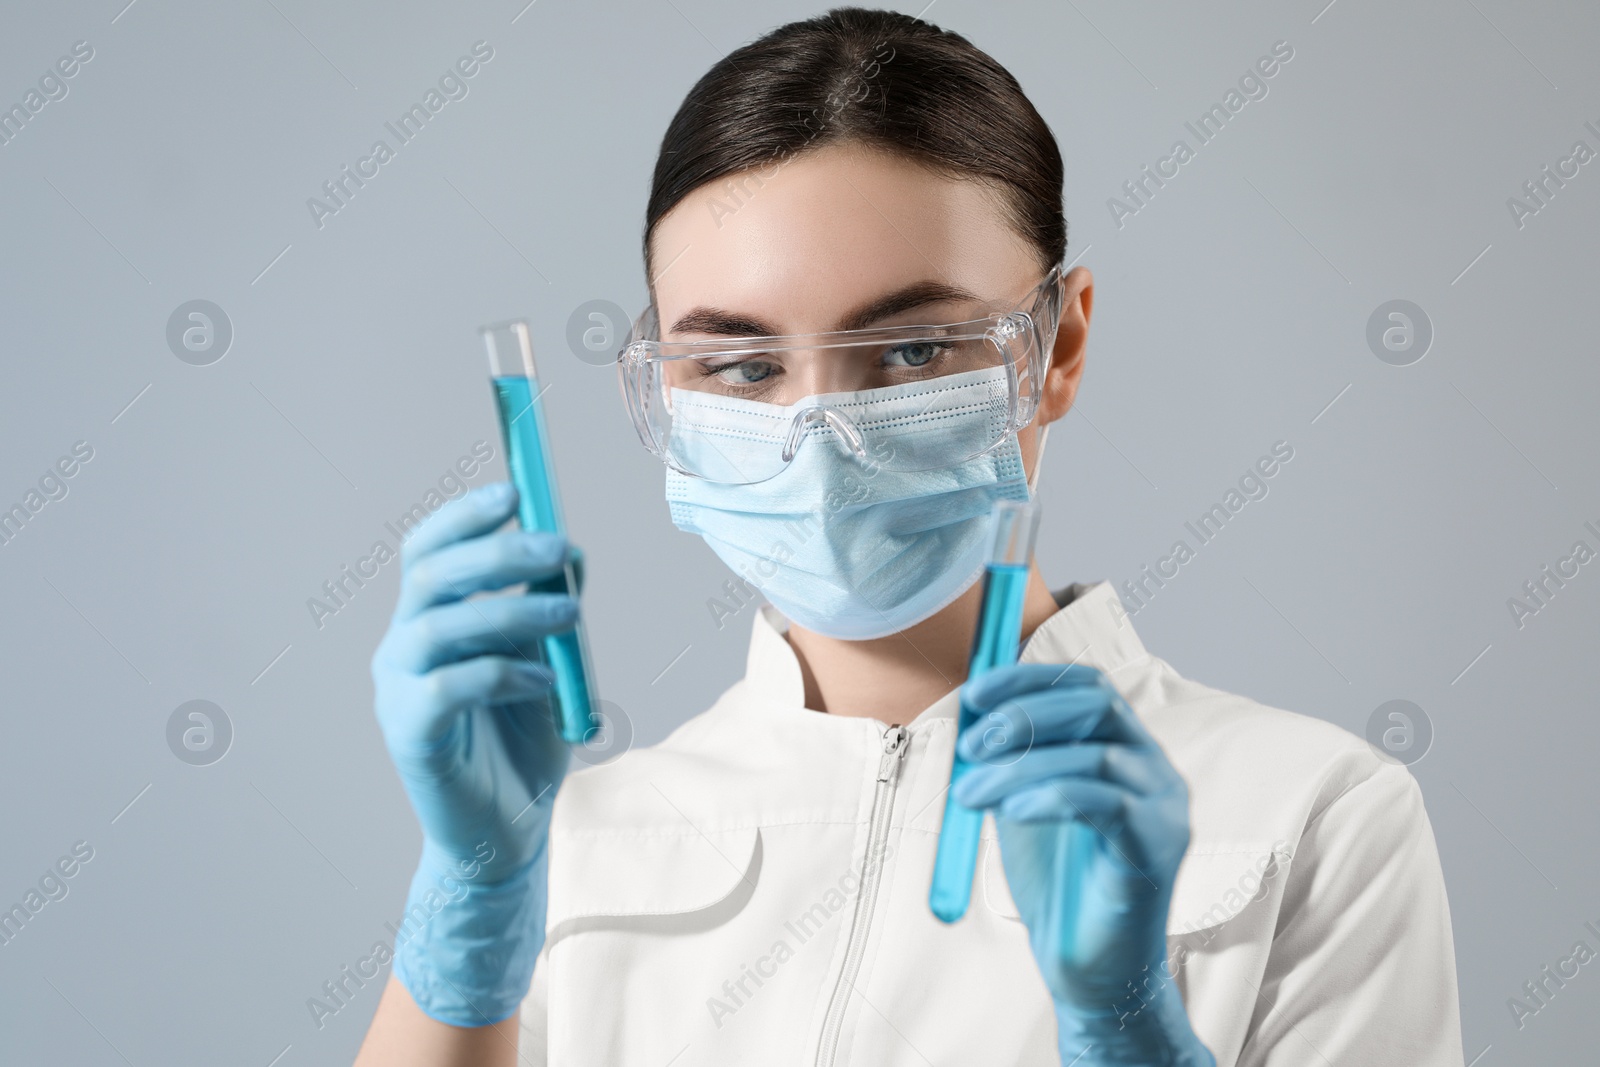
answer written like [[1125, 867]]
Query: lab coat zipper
[[895, 743]]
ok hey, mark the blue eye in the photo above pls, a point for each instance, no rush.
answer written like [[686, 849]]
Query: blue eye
[[912, 354], [748, 372]]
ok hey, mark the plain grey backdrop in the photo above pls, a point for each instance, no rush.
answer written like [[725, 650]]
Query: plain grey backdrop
[[1233, 306]]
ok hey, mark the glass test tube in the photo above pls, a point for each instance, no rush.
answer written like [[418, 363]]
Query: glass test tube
[[522, 428], [994, 644]]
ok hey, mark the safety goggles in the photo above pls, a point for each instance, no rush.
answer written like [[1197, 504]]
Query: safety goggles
[[738, 410]]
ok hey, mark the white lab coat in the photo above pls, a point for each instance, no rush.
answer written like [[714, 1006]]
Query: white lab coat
[[710, 904]]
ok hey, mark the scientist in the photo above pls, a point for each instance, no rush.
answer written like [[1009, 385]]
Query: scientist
[[859, 330]]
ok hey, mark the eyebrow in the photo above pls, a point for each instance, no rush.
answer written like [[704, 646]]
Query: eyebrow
[[712, 320]]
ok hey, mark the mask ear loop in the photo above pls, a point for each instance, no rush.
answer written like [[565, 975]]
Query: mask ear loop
[[1052, 303], [1038, 462]]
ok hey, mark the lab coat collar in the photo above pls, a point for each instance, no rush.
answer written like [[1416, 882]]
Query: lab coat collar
[[1092, 628]]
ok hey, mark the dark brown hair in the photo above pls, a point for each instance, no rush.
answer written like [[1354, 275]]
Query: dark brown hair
[[873, 77]]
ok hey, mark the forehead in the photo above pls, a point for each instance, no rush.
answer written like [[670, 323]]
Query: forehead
[[800, 243]]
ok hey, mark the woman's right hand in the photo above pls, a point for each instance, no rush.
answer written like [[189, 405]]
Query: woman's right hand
[[465, 710]]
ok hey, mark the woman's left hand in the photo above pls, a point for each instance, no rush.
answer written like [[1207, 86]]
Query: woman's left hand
[[1093, 821]]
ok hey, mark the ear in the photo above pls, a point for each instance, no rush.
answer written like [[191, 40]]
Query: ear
[[1072, 337]]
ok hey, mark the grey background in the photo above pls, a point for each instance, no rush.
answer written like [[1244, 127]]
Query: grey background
[[1231, 311]]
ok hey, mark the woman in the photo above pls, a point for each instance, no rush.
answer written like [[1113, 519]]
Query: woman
[[1259, 887]]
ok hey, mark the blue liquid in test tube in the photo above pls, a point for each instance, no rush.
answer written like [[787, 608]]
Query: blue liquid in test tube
[[516, 391], [1005, 583]]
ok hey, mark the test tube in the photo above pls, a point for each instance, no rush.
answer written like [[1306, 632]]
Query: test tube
[[522, 428], [994, 644]]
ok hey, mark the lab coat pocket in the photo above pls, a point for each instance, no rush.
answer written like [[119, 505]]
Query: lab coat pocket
[[650, 880], [1214, 883], [639, 931]]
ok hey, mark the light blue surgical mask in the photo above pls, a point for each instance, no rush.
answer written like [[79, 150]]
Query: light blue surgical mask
[[843, 544]]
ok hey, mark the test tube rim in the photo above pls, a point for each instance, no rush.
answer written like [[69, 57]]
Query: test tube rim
[[1023, 529], [524, 335]]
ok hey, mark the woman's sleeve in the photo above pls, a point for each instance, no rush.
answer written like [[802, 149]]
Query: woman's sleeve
[[1362, 967], [533, 1021]]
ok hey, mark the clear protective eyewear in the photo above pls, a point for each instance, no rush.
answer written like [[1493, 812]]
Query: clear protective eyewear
[[737, 410]]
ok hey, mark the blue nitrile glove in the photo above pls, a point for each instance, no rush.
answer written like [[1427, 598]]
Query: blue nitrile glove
[[1093, 821], [466, 718]]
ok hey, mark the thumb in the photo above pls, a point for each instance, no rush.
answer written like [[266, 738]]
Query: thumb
[[575, 556]]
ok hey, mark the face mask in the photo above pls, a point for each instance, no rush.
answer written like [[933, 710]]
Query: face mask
[[846, 546]]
